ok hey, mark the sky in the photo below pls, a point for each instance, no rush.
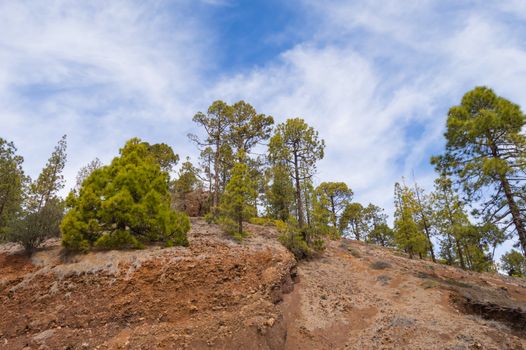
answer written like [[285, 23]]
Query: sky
[[375, 78]]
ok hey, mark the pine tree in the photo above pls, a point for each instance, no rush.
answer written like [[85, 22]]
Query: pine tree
[[12, 184], [461, 242], [297, 145], [514, 264], [164, 155], [354, 221], [280, 193], [230, 130], [50, 180], [186, 182], [378, 232], [216, 124], [205, 167], [381, 234], [424, 213], [86, 171], [238, 201], [42, 209], [308, 194], [450, 220], [485, 153], [408, 234], [124, 204], [476, 248], [320, 218], [247, 127], [337, 196]]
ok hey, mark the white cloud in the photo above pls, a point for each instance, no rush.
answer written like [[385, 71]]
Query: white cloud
[[217, 2], [377, 80], [99, 71]]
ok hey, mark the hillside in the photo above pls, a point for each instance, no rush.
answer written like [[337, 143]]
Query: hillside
[[218, 294]]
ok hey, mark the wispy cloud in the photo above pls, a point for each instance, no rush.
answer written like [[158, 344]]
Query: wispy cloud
[[100, 72], [377, 81], [218, 2]]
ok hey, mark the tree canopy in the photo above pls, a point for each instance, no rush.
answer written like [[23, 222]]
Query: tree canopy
[[125, 203], [296, 146], [12, 180], [485, 153], [39, 215]]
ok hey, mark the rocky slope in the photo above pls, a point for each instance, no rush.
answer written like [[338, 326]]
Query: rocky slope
[[360, 296], [218, 294]]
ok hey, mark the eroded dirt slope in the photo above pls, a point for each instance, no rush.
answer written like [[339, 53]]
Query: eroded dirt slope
[[219, 294], [215, 294], [360, 296]]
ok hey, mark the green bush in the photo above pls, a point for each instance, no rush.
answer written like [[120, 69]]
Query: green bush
[[117, 239], [231, 228], [123, 205], [304, 243], [281, 226], [211, 218], [32, 228], [296, 244], [262, 221]]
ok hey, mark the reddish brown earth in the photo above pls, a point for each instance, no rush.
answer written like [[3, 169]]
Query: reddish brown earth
[[219, 294]]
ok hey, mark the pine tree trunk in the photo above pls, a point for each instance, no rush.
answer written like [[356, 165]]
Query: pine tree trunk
[[469, 261], [4, 202], [307, 206], [333, 211], [450, 246], [512, 204], [301, 221], [457, 243], [460, 255], [515, 213], [424, 221], [215, 198], [431, 250]]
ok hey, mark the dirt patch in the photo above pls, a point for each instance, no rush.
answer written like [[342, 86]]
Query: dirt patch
[[513, 315], [343, 302], [216, 293], [219, 294]]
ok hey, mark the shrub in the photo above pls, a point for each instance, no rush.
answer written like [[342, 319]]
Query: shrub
[[296, 244], [39, 213], [427, 284], [281, 226], [34, 227], [380, 265], [302, 243], [262, 221], [354, 252], [210, 218], [123, 205], [384, 279], [231, 228]]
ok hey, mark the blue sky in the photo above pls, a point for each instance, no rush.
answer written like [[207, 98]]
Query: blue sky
[[376, 78]]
